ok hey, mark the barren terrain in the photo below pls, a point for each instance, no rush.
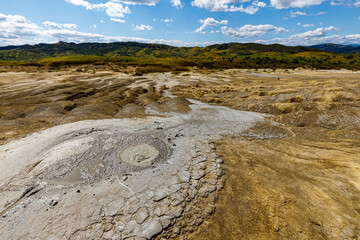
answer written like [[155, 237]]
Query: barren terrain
[[291, 168]]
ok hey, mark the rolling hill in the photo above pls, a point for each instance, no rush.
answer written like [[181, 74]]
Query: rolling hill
[[135, 49], [344, 49]]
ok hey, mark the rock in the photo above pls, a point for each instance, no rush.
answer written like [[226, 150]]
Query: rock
[[120, 226], [178, 210], [152, 230], [108, 227], [161, 210], [129, 227], [108, 234], [165, 223], [141, 215], [198, 174], [207, 211], [160, 194], [183, 177]]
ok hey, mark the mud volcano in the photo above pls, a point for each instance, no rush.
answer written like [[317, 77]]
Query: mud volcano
[[101, 157], [116, 179]]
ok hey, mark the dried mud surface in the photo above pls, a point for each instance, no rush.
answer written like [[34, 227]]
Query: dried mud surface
[[295, 176]]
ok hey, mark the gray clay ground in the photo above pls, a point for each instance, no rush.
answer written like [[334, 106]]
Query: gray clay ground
[[116, 179]]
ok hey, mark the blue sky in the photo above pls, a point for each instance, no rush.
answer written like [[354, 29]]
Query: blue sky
[[180, 22]]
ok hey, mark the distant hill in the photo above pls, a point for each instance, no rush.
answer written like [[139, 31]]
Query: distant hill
[[331, 47], [135, 49]]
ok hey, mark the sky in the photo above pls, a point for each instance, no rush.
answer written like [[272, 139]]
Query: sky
[[180, 22]]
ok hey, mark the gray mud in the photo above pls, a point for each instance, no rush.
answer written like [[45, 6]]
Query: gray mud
[[116, 179]]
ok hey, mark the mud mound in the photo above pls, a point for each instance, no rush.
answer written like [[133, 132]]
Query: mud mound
[[46, 110], [130, 111], [98, 108]]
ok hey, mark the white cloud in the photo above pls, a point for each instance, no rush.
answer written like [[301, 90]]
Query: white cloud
[[337, 39], [209, 22], [142, 27], [177, 3], [334, 3], [308, 25], [320, 13], [112, 9], [17, 30], [357, 3], [102, 21], [94, 26], [315, 37], [281, 4], [138, 2], [297, 13], [331, 28], [261, 4], [82, 3], [167, 20], [13, 26], [116, 10], [117, 20], [251, 31], [228, 5], [59, 25], [305, 25]]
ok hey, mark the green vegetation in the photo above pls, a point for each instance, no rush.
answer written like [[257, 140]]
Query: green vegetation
[[156, 57]]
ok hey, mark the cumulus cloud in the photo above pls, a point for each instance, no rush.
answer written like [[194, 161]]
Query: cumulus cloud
[[13, 26], [320, 13], [316, 36], [142, 27], [116, 10], [59, 25], [82, 3], [209, 23], [113, 9], [261, 4], [228, 5], [251, 31], [357, 3], [177, 3], [297, 13], [17, 30]]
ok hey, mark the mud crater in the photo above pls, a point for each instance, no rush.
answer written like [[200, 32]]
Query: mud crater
[[101, 156]]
